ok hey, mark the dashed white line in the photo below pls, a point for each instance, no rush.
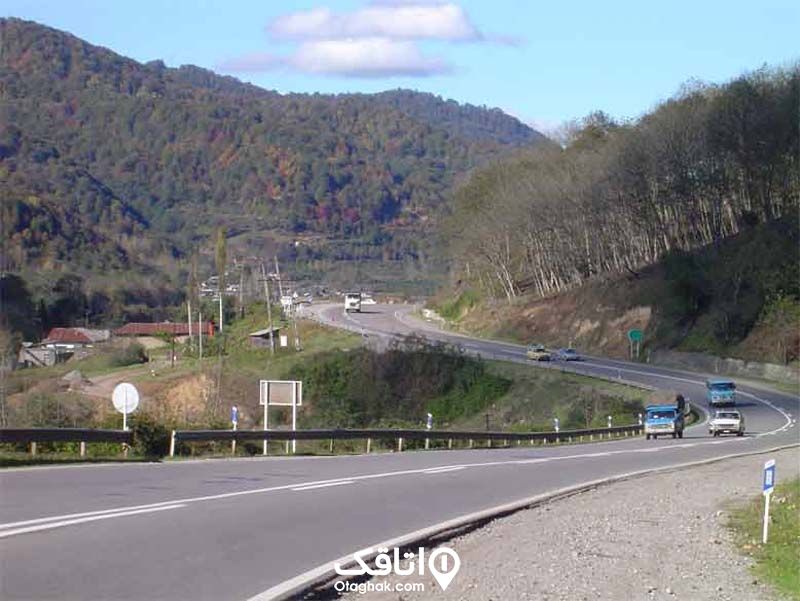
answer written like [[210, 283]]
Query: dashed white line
[[326, 485], [440, 470]]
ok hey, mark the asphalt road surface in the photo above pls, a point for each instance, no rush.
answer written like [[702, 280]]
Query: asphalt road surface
[[231, 529]]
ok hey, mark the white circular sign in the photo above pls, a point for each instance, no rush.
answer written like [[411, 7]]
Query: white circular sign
[[125, 398]]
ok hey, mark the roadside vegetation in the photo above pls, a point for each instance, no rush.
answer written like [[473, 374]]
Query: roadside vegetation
[[346, 384], [777, 562]]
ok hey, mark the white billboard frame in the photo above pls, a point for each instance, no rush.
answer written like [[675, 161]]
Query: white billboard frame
[[264, 393], [264, 399]]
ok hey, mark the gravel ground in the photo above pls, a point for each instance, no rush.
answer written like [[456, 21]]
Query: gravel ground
[[658, 537]]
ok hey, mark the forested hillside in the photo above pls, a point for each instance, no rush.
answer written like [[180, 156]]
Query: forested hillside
[[182, 150], [684, 223], [619, 196]]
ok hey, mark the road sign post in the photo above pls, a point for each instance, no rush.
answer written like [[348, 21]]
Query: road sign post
[[428, 426], [125, 399], [635, 337], [286, 393], [234, 424], [769, 486]]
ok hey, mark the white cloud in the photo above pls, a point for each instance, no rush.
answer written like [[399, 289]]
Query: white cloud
[[382, 39], [412, 21], [367, 57]]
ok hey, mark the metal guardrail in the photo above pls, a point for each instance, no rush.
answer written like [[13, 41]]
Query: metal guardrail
[[399, 434], [81, 435]]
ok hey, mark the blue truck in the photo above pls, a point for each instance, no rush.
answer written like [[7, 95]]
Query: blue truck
[[721, 392], [665, 420]]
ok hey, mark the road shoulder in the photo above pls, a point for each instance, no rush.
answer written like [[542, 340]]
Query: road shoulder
[[663, 536]]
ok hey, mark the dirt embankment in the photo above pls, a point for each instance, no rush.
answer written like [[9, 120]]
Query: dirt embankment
[[595, 318]]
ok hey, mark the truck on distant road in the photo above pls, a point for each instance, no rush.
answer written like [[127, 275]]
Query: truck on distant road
[[352, 302], [720, 392], [661, 420]]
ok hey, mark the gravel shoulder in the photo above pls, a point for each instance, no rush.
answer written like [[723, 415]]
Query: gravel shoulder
[[657, 537]]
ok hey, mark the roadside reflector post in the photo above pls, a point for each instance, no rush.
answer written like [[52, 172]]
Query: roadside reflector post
[[449, 443], [400, 444], [489, 442], [369, 445], [33, 449], [427, 443], [769, 486], [83, 448], [330, 447], [471, 443], [172, 444]]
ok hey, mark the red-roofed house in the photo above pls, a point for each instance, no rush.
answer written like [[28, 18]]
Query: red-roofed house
[[59, 345], [75, 336]]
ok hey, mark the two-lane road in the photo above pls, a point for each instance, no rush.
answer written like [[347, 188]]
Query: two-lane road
[[230, 529]]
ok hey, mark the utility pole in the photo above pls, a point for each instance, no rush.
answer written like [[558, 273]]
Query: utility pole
[[269, 309], [219, 291], [241, 290], [278, 273], [189, 321]]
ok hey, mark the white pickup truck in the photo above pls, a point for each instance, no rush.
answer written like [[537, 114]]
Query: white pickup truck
[[728, 421]]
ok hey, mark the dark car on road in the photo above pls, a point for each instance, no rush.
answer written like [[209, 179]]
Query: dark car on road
[[567, 354]]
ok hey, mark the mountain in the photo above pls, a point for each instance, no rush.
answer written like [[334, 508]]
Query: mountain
[[93, 140]]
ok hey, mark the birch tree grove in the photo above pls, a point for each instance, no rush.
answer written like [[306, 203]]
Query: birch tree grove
[[617, 197]]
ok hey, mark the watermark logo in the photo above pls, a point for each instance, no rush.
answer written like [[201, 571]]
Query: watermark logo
[[443, 564]]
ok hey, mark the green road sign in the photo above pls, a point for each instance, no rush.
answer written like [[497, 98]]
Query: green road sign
[[635, 335]]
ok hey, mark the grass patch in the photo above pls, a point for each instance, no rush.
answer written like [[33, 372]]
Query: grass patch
[[777, 562], [24, 459], [458, 307], [536, 396]]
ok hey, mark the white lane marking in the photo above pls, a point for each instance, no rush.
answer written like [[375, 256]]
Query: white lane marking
[[63, 523], [326, 485], [440, 470], [351, 479], [82, 515]]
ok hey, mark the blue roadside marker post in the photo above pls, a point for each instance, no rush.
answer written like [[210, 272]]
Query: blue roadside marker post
[[428, 426], [234, 423], [769, 486]]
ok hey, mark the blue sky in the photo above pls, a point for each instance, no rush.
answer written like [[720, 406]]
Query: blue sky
[[545, 62]]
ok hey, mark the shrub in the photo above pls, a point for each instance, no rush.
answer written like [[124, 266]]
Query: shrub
[[130, 355], [150, 437]]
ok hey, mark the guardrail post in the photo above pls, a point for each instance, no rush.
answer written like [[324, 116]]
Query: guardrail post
[[591, 437], [505, 442], [489, 442], [369, 445], [83, 448], [331, 446], [400, 444], [544, 440], [427, 443], [471, 443], [172, 444], [33, 449], [570, 439], [449, 443]]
